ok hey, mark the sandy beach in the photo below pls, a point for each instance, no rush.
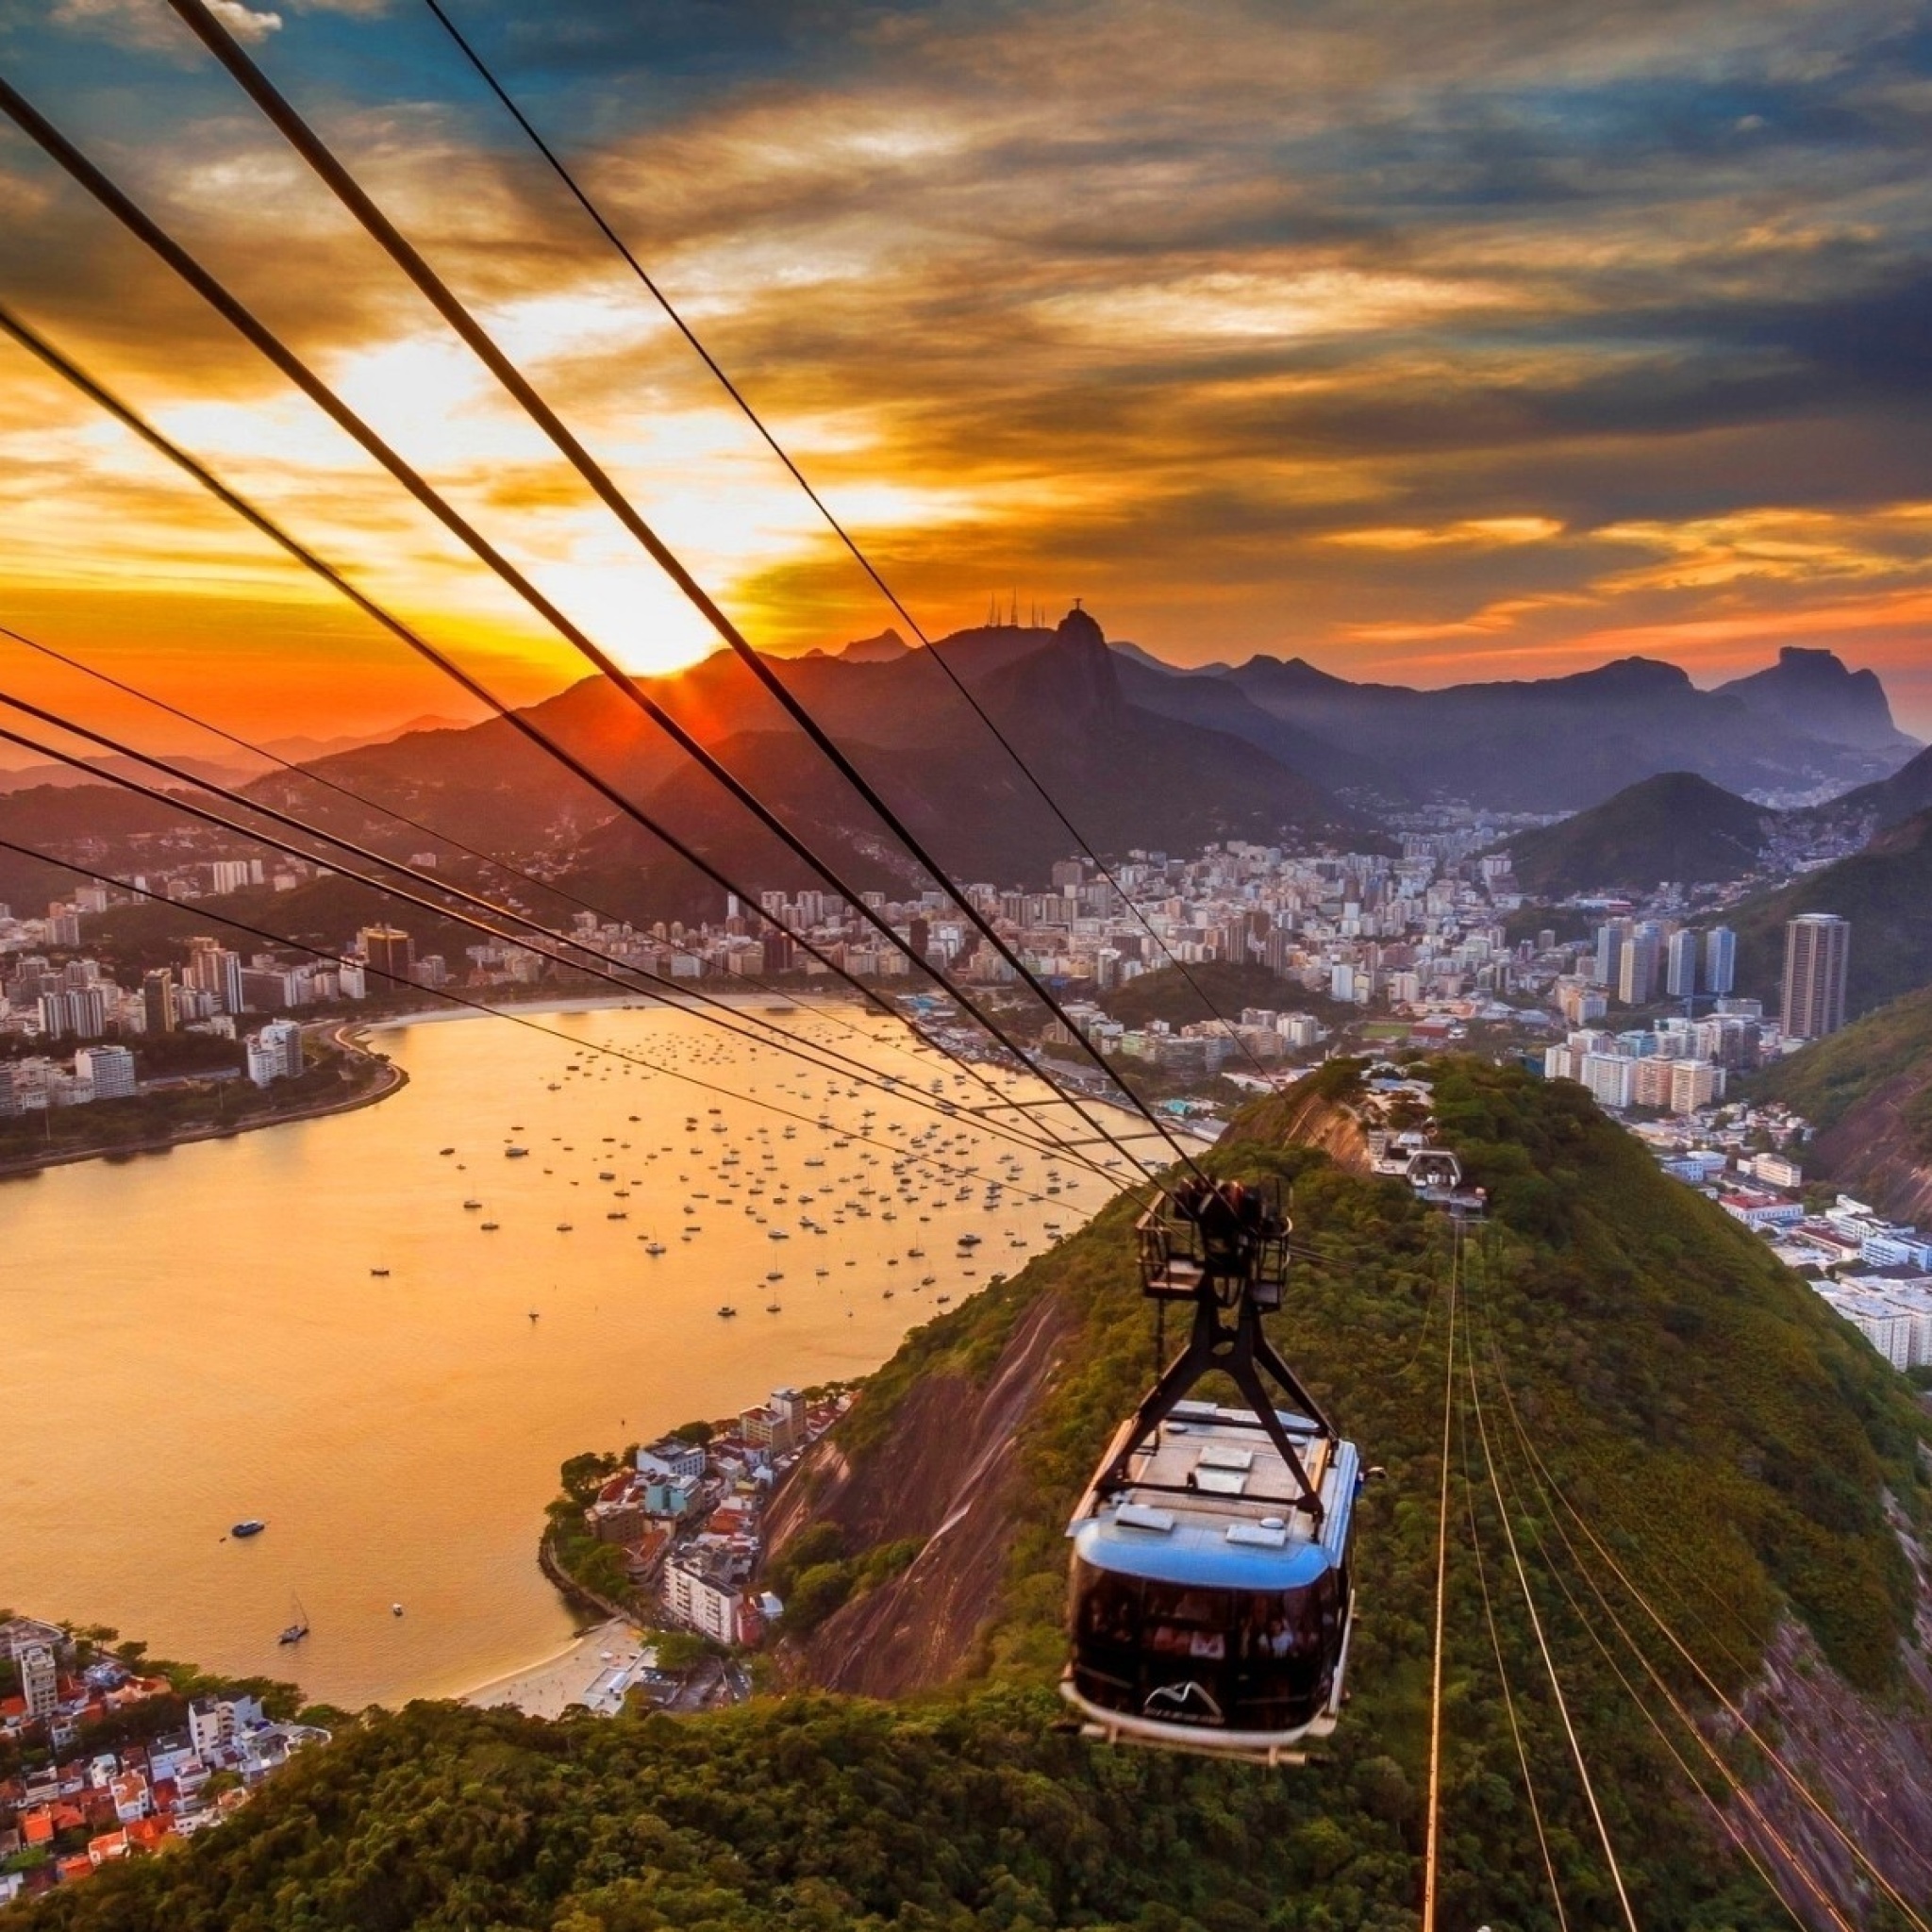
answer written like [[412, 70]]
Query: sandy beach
[[595, 1670]]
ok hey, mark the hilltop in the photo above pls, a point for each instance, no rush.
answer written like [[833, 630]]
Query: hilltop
[[1868, 1094], [1694, 1399], [1674, 826]]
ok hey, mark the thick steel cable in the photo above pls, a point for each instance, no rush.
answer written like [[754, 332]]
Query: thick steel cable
[[342, 185], [1432, 1839], [1727, 1775], [778, 1039], [858, 556], [1482, 1578], [131, 216], [136, 220], [310, 776], [1770, 1752], [1536, 1622], [575, 1043]]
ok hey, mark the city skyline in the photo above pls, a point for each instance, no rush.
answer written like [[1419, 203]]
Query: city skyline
[[1477, 354]]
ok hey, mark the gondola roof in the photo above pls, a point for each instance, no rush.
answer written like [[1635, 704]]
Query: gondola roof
[[1238, 1530]]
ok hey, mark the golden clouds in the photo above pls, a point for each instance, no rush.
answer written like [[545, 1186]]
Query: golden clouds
[[1490, 333]]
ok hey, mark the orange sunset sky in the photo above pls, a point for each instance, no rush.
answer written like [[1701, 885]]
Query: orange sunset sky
[[1487, 339]]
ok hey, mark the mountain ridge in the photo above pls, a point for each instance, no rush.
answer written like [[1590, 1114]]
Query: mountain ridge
[[1565, 743]]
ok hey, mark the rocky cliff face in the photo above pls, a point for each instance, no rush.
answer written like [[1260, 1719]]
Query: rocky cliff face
[[947, 1478], [1872, 1152]]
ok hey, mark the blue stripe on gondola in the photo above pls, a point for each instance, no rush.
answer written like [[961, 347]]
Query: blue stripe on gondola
[[1190, 1554]]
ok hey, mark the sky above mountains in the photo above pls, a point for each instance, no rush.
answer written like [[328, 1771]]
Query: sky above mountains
[[1473, 340]]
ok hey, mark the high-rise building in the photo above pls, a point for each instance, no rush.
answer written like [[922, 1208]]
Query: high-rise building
[[157, 998], [1680, 965], [1610, 941], [391, 953], [1720, 960], [213, 969], [1817, 953], [111, 1069], [1636, 973], [40, 1681], [284, 1037]]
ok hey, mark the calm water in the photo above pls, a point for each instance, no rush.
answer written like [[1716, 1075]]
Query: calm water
[[197, 1337]]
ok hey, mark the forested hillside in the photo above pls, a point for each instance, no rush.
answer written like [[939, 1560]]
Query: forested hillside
[[1868, 1093], [1729, 1440]]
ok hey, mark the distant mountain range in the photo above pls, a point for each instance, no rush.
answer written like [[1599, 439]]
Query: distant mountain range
[[1126, 775], [1139, 755], [1805, 724], [234, 766]]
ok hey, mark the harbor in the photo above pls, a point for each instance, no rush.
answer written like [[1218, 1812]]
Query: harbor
[[399, 1432]]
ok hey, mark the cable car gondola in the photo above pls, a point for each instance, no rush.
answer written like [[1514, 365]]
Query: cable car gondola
[[1209, 1601]]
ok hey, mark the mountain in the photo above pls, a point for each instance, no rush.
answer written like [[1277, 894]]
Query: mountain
[[1885, 891], [1886, 801], [1127, 776], [235, 767], [1649, 1348], [1814, 692], [882, 649], [108, 770], [1221, 705], [1868, 1094], [1674, 826], [113, 830], [1565, 743]]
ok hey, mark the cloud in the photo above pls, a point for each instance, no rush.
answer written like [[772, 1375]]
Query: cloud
[[149, 24], [1260, 330]]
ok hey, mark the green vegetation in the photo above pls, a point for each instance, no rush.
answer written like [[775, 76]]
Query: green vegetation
[[1885, 891], [1165, 995], [813, 1576], [1674, 826], [1826, 1080], [1725, 1433], [595, 1567]]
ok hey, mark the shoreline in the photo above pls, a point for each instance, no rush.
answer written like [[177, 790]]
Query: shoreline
[[390, 1082], [566, 1677], [595, 1002]]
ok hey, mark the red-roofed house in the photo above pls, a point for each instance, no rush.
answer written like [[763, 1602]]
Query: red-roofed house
[[110, 1844], [79, 1866], [37, 1826], [146, 1834]]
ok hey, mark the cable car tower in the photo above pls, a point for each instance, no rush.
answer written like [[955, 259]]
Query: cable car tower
[[1209, 1598]]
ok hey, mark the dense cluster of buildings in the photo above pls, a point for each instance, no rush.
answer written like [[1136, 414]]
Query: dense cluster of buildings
[[69, 1811], [76, 1019], [1747, 1157], [687, 1514]]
